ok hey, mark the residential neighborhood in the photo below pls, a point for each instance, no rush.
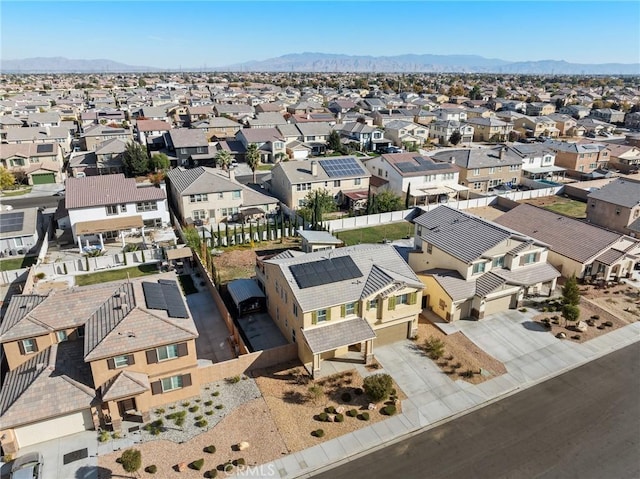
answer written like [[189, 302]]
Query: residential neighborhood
[[222, 270]]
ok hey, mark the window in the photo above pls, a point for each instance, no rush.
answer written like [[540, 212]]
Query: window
[[167, 352], [61, 335], [498, 262], [29, 346], [293, 335], [169, 384], [476, 171], [199, 214], [357, 181], [198, 198], [478, 268], [301, 203], [514, 167], [278, 145], [402, 299], [617, 211], [80, 331], [336, 184], [350, 308], [121, 361], [529, 258], [183, 151], [153, 223], [477, 186], [592, 166], [492, 170], [19, 242], [221, 195], [321, 315], [295, 310], [111, 210], [429, 248], [146, 206], [372, 304], [235, 195]]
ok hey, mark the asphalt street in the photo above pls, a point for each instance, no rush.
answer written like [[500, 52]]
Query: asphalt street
[[31, 201], [583, 424]]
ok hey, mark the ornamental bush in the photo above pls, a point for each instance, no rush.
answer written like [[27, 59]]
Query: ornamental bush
[[378, 386]]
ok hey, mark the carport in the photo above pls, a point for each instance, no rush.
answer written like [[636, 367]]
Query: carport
[[246, 295]]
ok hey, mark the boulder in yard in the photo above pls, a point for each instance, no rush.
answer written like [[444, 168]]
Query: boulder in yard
[[581, 326]]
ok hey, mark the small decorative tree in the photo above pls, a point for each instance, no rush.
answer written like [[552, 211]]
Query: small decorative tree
[[378, 386], [570, 300], [131, 460]]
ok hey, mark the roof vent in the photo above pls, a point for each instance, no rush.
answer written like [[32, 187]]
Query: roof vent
[[124, 306], [121, 294]]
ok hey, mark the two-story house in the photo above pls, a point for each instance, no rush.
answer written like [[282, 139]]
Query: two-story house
[[291, 181], [348, 300], [441, 130], [208, 196], [47, 134], [472, 268], [579, 159], [406, 133], [625, 158], [269, 141], [95, 356], [484, 169], [426, 180], [576, 111], [186, 143], [608, 115], [490, 129], [92, 137], [151, 131], [616, 206], [538, 162], [540, 108], [565, 124], [20, 231], [108, 207], [536, 126], [40, 162]]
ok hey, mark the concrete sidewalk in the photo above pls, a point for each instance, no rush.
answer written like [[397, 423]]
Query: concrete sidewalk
[[530, 357]]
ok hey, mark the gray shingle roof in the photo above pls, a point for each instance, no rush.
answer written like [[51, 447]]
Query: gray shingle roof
[[460, 234], [107, 190], [622, 191], [338, 333], [382, 268], [52, 382], [566, 236]]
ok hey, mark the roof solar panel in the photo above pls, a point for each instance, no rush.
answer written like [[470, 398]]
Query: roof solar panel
[[154, 296], [11, 221], [165, 295], [325, 271], [341, 167], [45, 148]]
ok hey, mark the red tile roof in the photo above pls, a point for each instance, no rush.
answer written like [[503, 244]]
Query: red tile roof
[[107, 190]]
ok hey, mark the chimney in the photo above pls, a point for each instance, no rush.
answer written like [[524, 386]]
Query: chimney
[[314, 168], [501, 152]]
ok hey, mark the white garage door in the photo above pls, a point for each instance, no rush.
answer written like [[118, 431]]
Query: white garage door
[[54, 428], [497, 305]]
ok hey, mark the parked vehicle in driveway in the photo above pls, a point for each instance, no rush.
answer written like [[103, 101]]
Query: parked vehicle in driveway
[[28, 466]]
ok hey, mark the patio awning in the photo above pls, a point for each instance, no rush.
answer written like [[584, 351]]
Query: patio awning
[[127, 383], [243, 289], [438, 190], [335, 335], [528, 275], [178, 253], [110, 224], [544, 169]]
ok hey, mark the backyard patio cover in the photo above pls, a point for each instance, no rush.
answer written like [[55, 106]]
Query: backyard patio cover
[[334, 335], [178, 253], [244, 289], [111, 224]]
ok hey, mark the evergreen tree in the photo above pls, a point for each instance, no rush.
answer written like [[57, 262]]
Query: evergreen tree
[[406, 200], [135, 160]]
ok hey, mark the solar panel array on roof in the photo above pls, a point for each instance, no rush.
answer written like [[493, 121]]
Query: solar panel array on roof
[[165, 295], [422, 165], [45, 148], [341, 167], [11, 222], [325, 271]]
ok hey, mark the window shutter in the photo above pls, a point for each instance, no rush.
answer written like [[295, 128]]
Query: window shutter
[[156, 387], [111, 364], [328, 314], [21, 346], [130, 360], [35, 345], [368, 303], [152, 356], [343, 310], [314, 317], [357, 308], [392, 303], [413, 297], [186, 380], [183, 350], [521, 260]]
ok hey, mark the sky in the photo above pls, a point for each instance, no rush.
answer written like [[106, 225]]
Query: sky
[[183, 34]]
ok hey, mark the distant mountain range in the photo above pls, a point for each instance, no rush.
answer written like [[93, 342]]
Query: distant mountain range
[[326, 62]]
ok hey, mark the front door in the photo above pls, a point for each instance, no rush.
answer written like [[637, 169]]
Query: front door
[[127, 407]]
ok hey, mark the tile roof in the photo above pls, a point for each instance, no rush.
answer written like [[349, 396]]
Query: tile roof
[[622, 192], [53, 382], [152, 125], [29, 223], [453, 283], [335, 334], [300, 171], [414, 164], [569, 237], [610, 256], [528, 275], [479, 157], [125, 383], [488, 283], [460, 234], [27, 150], [381, 266], [261, 135], [187, 138], [107, 190]]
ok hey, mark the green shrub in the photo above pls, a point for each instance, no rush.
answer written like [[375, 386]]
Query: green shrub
[[194, 408], [346, 397], [197, 465], [215, 393], [208, 403], [160, 411], [211, 474], [378, 386], [595, 316], [608, 323], [198, 400], [364, 416], [233, 380], [208, 413], [339, 417], [239, 462], [152, 469], [186, 404], [352, 413], [330, 410], [202, 423], [103, 436], [210, 449], [389, 410], [318, 433], [323, 416], [219, 406], [131, 460], [358, 391], [197, 418], [179, 421], [523, 310], [434, 347]]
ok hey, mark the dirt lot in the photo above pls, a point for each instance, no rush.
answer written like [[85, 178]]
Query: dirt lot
[[621, 300], [460, 355], [295, 413]]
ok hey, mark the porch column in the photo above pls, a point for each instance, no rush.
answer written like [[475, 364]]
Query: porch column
[[315, 364], [101, 241], [368, 351], [122, 238], [79, 244], [143, 240]]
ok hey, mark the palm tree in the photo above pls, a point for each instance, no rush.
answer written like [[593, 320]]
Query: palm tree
[[223, 159], [252, 156]]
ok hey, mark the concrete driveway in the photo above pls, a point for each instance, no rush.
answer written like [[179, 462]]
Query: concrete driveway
[[212, 343]]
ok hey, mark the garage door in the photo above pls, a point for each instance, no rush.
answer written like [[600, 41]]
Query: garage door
[[391, 334], [43, 178], [54, 428], [497, 305]]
